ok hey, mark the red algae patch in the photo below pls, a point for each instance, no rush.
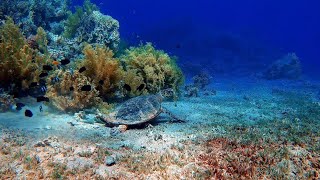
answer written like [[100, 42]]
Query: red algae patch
[[227, 159]]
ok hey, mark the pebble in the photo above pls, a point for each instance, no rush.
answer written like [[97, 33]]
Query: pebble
[[109, 161], [123, 128], [157, 137], [38, 159]]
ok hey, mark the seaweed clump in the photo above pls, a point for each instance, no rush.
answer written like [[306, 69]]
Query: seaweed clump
[[67, 95], [19, 63], [151, 69], [103, 69]]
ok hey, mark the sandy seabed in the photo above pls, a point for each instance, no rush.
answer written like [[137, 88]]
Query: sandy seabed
[[251, 129]]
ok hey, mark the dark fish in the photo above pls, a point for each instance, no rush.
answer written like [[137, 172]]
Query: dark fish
[[33, 84], [86, 88], [47, 67], [71, 88], [43, 74], [65, 62], [28, 113], [42, 98], [178, 46], [101, 82], [140, 88], [40, 108], [55, 80], [43, 89], [19, 106], [82, 69], [127, 87]]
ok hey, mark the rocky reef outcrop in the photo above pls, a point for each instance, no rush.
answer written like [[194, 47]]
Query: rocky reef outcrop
[[287, 67]]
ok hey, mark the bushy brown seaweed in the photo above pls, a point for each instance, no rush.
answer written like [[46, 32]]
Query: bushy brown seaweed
[[66, 95], [103, 69], [156, 68], [19, 64]]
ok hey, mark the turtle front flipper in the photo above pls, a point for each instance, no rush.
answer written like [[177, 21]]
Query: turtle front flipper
[[175, 118]]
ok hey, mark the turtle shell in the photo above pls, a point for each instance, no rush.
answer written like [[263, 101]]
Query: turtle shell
[[137, 110]]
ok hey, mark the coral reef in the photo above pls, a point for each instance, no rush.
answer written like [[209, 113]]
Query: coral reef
[[19, 64], [201, 80], [157, 69], [67, 95], [6, 101], [75, 19], [87, 24], [288, 67], [31, 14], [191, 91], [103, 69]]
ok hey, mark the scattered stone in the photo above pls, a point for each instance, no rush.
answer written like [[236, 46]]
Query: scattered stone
[[81, 116], [201, 80], [109, 161], [157, 137], [38, 159], [191, 91], [123, 128], [40, 144]]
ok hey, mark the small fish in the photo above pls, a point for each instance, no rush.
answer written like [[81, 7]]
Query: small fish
[[65, 62], [42, 98], [28, 113], [127, 87], [55, 80], [19, 106], [33, 84], [140, 88], [40, 108], [86, 88], [56, 63], [101, 82], [71, 88], [82, 69], [47, 67], [178, 46], [71, 71], [43, 74], [43, 89]]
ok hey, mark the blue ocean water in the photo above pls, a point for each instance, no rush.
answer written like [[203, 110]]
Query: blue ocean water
[[255, 31], [141, 89]]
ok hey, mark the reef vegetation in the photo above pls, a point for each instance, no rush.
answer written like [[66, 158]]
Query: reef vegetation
[[76, 67]]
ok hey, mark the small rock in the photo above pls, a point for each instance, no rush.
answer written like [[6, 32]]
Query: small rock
[[123, 128], [40, 144], [109, 161], [38, 159], [157, 137]]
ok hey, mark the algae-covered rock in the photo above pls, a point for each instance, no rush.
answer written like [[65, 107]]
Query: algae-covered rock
[[288, 67]]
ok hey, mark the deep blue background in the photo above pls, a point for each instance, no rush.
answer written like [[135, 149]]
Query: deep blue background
[[246, 35]]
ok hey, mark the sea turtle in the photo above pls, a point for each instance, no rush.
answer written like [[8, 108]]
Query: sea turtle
[[137, 110]]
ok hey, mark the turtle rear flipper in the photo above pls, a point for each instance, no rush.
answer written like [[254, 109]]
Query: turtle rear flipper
[[175, 118]]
